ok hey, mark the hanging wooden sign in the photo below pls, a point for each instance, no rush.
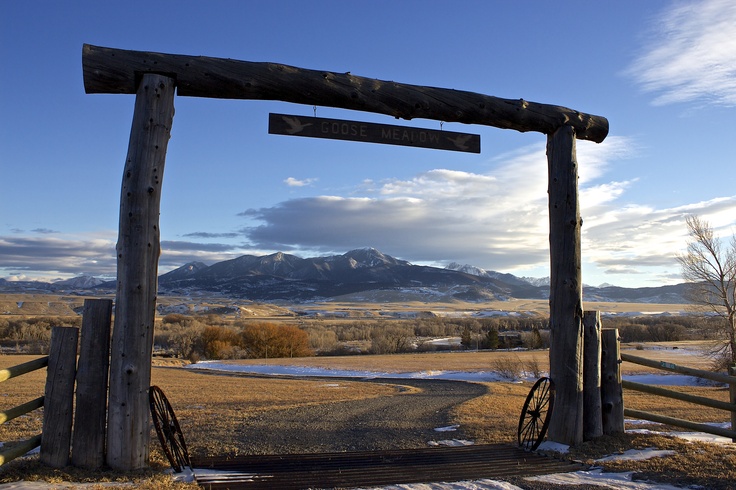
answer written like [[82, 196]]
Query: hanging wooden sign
[[339, 129]]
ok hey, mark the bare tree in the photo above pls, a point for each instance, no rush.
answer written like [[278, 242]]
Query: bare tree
[[710, 268]]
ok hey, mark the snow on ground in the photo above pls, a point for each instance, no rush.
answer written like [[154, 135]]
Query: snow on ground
[[598, 478], [477, 376], [343, 373], [638, 455], [688, 436]]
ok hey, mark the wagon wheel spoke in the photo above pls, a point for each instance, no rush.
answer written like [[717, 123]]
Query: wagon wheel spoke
[[535, 415], [168, 430]]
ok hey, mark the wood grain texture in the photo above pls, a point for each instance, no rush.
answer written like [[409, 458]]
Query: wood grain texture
[[612, 397], [90, 419], [138, 250], [566, 294], [56, 436], [592, 412]]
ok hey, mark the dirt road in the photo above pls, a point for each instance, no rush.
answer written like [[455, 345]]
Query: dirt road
[[406, 420]]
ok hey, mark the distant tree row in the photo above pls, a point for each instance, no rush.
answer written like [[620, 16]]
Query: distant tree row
[[31, 335], [216, 337], [426, 327]]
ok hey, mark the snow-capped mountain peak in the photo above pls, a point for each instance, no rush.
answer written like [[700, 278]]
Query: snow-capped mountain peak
[[80, 282]]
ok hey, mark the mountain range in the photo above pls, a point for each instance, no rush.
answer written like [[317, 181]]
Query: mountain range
[[352, 275]]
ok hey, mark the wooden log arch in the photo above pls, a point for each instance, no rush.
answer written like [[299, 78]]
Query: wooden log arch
[[152, 77]]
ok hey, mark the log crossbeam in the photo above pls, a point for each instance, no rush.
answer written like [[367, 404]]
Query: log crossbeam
[[110, 70]]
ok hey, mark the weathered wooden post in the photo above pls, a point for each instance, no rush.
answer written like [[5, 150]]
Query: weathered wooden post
[[88, 446], [138, 250], [566, 293], [58, 405], [732, 397], [592, 415], [612, 394]]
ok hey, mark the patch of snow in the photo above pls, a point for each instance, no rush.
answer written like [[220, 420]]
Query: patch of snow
[[304, 371], [688, 436], [445, 341], [449, 428], [598, 478], [477, 376], [451, 442], [638, 455], [639, 422], [554, 446]]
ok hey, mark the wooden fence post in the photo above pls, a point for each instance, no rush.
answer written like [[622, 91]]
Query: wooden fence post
[[88, 446], [138, 250], [58, 407], [592, 414], [732, 392], [612, 395], [566, 294]]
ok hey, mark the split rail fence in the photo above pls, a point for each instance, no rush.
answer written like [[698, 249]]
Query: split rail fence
[[22, 447], [57, 438], [699, 400], [603, 386]]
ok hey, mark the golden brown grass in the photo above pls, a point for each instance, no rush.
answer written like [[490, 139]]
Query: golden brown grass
[[211, 407], [493, 417]]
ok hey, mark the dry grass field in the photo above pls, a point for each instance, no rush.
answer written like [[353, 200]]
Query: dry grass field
[[211, 408], [69, 305]]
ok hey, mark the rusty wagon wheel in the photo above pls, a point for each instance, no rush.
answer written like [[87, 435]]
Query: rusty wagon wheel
[[535, 415], [168, 430]]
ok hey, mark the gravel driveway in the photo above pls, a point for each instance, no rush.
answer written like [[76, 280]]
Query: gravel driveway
[[406, 420]]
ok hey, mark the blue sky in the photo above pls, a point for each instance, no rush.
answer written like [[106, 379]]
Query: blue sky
[[662, 72]]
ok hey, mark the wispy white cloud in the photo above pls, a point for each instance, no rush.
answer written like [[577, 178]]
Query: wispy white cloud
[[293, 182], [637, 239], [55, 255], [691, 54]]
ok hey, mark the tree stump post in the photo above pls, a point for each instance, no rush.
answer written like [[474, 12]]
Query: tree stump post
[[138, 250], [592, 414], [58, 405], [566, 295], [612, 393], [88, 446]]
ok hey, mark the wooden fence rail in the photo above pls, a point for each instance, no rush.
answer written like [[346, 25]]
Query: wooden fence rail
[[26, 367], [22, 447], [699, 400]]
